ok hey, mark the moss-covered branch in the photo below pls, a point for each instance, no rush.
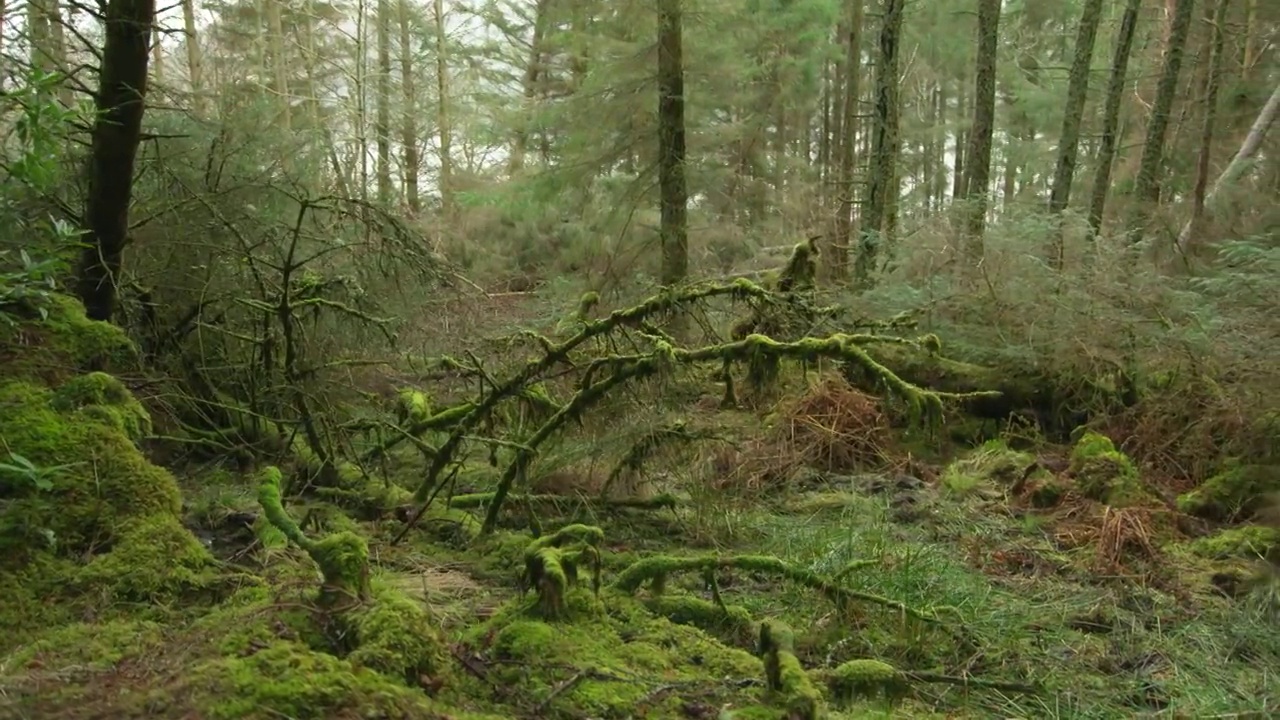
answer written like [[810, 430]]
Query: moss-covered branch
[[556, 353], [784, 676], [926, 405], [646, 446], [552, 563], [655, 571], [343, 557]]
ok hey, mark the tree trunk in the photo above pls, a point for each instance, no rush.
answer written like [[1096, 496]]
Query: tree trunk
[[279, 64], [978, 160], [1146, 189], [382, 120], [847, 193], [195, 65], [442, 119], [961, 143], [1069, 137], [671, 145], [1111, 116], [1250, 57], [1209, 95], [883, 188], [1252, 142], [529, 84], [117, 131], [409, 109]]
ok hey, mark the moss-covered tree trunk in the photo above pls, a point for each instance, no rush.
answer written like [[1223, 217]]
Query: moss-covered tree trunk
[[1111, 115], [120, 102], [671, 145], [1069, 138], [883, 189], [1146, 191]]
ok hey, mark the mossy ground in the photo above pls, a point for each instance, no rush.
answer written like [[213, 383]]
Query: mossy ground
[[1108, 611]]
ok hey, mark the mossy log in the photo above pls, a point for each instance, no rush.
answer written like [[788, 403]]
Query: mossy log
[[784, 676], [655, 570], [1059, 404]]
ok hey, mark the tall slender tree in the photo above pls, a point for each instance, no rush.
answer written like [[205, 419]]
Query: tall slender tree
[[671, 144], [883, 190], [1146, 191], [1111, 116], [1069, 138], [117, 131], [978, 157]]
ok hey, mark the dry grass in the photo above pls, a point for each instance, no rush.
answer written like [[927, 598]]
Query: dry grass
[[832, 428]]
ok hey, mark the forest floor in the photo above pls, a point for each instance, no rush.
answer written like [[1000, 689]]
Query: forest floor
[[992, 597]]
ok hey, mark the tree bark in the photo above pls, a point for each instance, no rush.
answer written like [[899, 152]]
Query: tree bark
[[117, 131], [978, 170], [1069, 138], [195, 65], [883, 188], [1146, 189], [529, 84], [409, 110], [445, 129], [1252, 142], [671, 145], [1212, 77], [1111, 116], [847, 143], [382, 119]]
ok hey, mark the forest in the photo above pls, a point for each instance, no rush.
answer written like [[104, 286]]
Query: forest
[[585, 360]]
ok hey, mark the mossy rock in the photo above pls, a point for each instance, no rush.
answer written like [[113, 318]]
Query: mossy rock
[[288, 679], [1105, 474], [156, 561], [731, 623], [1237, 491], [101, 523]]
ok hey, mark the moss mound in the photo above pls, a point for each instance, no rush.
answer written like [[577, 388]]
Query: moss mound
[[1105, 474], [1237, 491], [82, 510], [609, 657]]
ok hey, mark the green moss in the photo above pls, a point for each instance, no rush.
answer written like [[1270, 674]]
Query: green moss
[[991, 462], [395, 636], [731, 622], [784, 676], [286, 679], [102, 480], [104, 399], [97, 645], [865, 678], [1237, 491], [1105, 474], [607, 644], [64, 345], [1249, 541], [412, 406], [156, 561]]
